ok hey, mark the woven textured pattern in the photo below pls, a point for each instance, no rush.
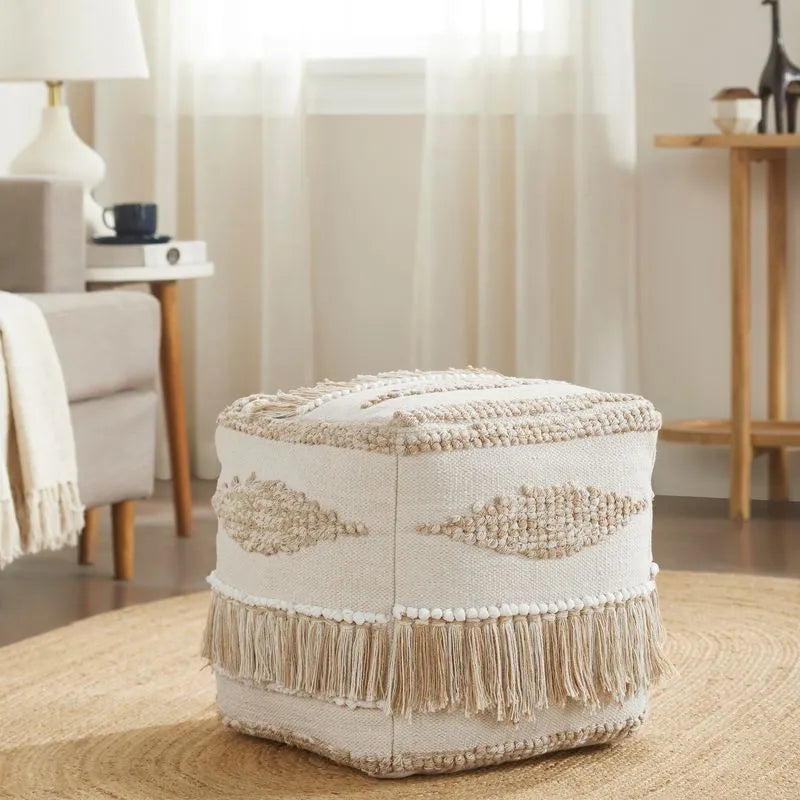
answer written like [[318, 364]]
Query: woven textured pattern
[[85, 715], [269, 517], [460, 556], [544, 522]]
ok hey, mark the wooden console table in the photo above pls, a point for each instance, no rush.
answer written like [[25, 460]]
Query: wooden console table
[[746, 437]]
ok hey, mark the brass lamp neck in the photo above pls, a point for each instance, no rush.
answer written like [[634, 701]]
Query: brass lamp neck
[[54, 93]]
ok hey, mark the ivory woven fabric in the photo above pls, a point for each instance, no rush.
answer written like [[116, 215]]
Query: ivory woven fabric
[[418, 563]]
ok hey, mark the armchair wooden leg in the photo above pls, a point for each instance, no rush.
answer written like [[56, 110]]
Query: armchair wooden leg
[[122, 520], [88, 540]]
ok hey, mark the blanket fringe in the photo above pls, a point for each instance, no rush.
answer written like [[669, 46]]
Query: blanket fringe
[[510, 667], [49, 518]]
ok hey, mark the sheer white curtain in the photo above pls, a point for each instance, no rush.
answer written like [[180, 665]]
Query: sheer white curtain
[[217, 137], [525, 256], [524, 245]]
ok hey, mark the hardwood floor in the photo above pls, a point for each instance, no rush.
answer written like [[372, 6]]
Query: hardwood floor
[[48, 590]]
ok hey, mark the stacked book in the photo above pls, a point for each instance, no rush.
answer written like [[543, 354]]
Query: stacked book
[[145, 255]]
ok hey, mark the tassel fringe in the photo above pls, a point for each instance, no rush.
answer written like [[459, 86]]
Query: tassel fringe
[[50, 518], [513, 667], [510, 667], [320, 657]]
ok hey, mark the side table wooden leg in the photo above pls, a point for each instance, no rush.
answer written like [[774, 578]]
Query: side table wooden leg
[[172, 381], [741, 444], [776, 289], [88, 542]]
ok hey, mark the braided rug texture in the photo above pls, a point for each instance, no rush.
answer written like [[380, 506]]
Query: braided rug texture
[[117, 706]]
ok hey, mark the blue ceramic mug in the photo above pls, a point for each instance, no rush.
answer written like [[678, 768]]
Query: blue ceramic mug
[[133, 219]]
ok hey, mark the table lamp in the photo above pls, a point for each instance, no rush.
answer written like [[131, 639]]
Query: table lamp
[[68, 40]]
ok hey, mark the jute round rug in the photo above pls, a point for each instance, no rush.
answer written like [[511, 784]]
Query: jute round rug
[[117, 706]]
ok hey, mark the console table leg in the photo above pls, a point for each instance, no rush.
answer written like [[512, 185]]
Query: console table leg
[[741, 446], [776, 288], [172, 381]]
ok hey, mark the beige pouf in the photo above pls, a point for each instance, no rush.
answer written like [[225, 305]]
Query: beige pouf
[[427, 572]]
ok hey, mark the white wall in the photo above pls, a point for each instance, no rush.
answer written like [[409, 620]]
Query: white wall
[[685, 51]]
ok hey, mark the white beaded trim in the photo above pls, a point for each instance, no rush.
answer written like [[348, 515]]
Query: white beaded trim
[[527, 609], [307, 610], [447, 614]]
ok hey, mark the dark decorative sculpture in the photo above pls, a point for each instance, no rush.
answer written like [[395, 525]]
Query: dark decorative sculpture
[[780, 78]]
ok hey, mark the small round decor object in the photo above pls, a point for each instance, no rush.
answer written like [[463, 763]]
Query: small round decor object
[[736, 110]]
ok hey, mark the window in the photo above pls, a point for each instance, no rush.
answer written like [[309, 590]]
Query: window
[[358, 56], [244, 30]]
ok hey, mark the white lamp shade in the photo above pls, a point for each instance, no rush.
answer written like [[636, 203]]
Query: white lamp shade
[[70, 40]]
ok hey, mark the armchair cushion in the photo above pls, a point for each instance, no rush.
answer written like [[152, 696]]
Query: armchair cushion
[[107, 341], [115, 442]]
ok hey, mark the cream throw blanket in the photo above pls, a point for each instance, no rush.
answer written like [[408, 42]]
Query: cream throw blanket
[[39, 504]]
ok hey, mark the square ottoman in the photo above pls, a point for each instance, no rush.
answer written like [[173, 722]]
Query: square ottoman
[[435, 571]]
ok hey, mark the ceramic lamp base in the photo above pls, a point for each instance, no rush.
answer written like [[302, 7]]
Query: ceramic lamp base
[[58, 152]]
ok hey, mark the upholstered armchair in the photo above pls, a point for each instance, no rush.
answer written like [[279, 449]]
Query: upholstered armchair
[[107, 342]]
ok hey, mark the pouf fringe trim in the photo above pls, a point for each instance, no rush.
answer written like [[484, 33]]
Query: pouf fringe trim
[[321, 657], [449, 760], [512, 667], [342, 702], [508, 666]]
